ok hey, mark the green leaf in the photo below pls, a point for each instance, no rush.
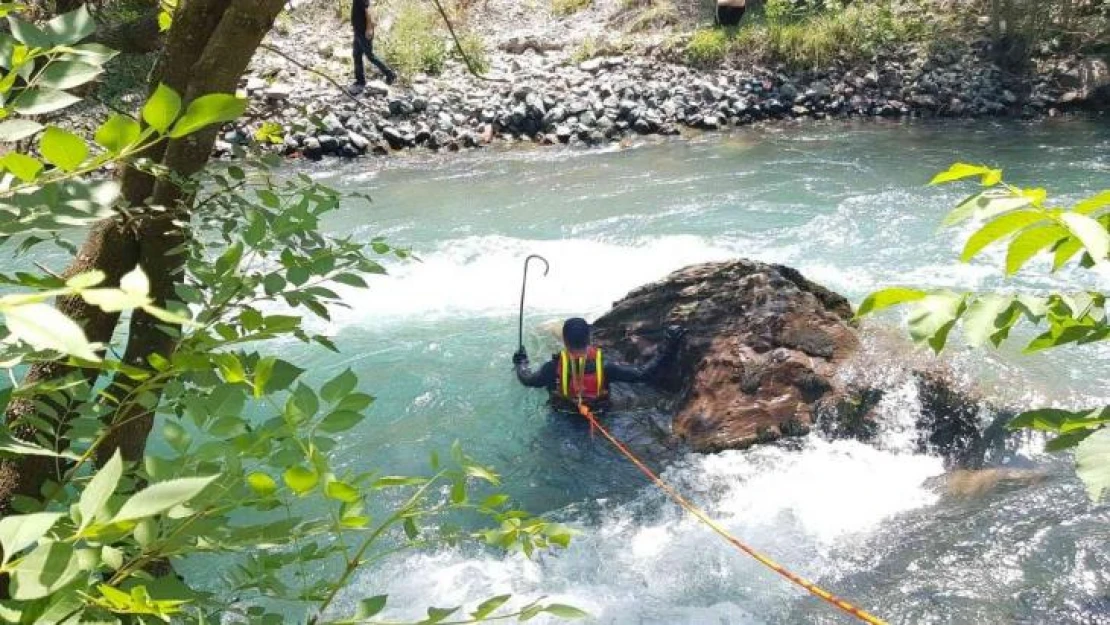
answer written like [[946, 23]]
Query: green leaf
[[1043, 419], [162, 108], [933, 318], [300, 479], [565, 611], [1030, 242], [17, 532], [341, 491], [980, 322], [68, 74], [262, 484], [350, 279], [458, 492], [436, 615], [86, 280], [339, 387], [1064, 251], [482, 473], [1092, 204], [495, 501], [370, 607], [99, 489], [41, 100], [160, 497], [340, 421], [93, 52], [965, 209], [70, 28], [48, 568], [1067, 441], [1092, 460], [887, 298], [29, 34], [1001, 226], [410, 528], [214, 108], [18, 129], [530, 612], [391, 481], [22, 166], [489, 606], [959, 171], [63, 149], [43, 327], [118, 133], [1091, 233], [355, 402]]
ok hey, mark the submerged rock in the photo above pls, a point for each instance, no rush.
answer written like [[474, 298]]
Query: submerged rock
[[770, 354]]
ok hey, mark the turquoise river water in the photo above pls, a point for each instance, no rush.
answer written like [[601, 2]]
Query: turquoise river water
[[845, 204]]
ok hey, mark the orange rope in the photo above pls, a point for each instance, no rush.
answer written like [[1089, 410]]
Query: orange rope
[[724, 533]]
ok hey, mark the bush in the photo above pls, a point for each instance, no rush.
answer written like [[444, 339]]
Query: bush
[[569, 7], [474, 47], [415, 44], [808, 37], [585, 50], [657, 14], [708, 46]]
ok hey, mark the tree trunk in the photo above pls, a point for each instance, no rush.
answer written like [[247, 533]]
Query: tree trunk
[[207, 51]]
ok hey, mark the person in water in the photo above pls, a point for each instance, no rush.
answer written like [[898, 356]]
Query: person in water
[[581, 373]]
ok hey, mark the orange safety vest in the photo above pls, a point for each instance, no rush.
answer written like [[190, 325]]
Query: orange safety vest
[[575, 383]]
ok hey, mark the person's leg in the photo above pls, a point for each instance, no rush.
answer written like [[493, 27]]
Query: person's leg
[[387, 71], [356, 54]]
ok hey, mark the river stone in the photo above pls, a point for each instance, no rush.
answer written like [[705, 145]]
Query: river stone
[[770, 354]]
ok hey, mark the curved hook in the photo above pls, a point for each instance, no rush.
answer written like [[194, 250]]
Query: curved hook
[[523, 288], [546, 265]]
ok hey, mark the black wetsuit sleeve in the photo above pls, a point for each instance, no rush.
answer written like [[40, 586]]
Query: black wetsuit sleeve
[[617, 372], [544, 377]]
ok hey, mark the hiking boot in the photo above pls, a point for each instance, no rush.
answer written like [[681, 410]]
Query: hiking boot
[[356, 88]]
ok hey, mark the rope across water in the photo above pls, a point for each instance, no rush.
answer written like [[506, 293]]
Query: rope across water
[[702, 516]]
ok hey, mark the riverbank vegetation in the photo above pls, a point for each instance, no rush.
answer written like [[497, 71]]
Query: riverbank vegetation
[[811, 34]]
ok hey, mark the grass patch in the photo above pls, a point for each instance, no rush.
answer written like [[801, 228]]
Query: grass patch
[[474, 47], [585, 50], [415, 43], [569, 7], [650, 15], [708, 47], [809, 39]]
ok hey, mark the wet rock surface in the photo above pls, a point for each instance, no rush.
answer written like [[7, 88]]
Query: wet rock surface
[[770, 354]]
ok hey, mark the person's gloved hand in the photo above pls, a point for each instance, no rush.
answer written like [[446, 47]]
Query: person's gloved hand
[[520, 356], [675, 333]]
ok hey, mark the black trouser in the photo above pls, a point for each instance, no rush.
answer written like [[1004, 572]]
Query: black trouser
[[729, 16], [364, 46]]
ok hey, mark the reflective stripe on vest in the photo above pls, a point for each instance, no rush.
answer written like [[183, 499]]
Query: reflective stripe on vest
[[570, 369]]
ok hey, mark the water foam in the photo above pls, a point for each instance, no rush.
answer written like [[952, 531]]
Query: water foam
[[648, 562], [480, 276]]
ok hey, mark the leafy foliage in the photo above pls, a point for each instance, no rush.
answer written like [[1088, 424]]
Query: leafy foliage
[[1023, 222], [247, 471]]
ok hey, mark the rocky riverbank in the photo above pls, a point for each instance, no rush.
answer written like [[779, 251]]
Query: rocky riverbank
[[539, 94]]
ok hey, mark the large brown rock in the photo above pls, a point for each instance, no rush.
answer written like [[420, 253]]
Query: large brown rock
[[770, 354]]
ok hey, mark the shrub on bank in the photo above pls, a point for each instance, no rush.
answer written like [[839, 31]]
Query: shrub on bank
[[809, 37], [569, 7], [708, 46], [415, 44]]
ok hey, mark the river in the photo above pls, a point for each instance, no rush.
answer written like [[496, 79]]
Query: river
[[848, 205]]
